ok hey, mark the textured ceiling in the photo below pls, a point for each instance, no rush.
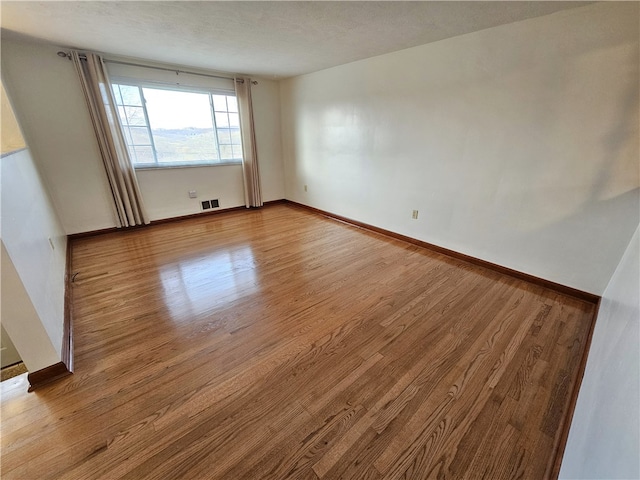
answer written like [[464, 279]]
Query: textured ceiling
[[271, 39]]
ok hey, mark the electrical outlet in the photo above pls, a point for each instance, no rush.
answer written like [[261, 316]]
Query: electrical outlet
[[305, 188], [193, 194], [215, 203], [414, 215], [206, 204]]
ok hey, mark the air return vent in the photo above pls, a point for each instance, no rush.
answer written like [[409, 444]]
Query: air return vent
[[207, 204]]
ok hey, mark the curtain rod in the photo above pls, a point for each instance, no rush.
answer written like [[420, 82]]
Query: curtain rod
[[84, 57]]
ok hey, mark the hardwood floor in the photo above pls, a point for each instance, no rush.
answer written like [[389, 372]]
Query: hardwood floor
[[276, 343]]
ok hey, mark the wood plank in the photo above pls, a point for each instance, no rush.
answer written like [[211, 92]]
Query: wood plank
[[275, 343]]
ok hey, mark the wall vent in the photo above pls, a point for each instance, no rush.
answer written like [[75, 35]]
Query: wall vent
[[207, 204]]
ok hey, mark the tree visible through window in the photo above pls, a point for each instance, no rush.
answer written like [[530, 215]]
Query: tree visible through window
[[172, 127]]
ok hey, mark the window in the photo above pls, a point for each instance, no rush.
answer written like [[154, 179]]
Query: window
[[165, 126]]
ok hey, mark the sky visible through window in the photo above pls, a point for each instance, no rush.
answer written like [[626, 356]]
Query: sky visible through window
[[174, 110]]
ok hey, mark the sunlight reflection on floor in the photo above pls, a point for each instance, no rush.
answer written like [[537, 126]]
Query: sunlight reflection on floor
[[197, 285]]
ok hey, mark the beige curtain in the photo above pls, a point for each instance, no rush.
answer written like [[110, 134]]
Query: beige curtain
[[250, 172], [128, 204]]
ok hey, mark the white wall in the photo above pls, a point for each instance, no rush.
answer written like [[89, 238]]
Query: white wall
[[604, 440], [51, 109], [21, 321], [517, 144], [166, 191], [33, 260], [28, 222], [11, 137], [266, 116]]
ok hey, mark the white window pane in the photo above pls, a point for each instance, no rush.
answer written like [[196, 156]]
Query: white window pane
[[127, 135], [219, 103], [232, 103], [236, 138], [237, 152], [116, 93], [185, 145], [226, 152], [175, 110], [234, 120], [144, 155], [187, 157], [135, 116], [222, 119], [181, 125], [130, 95], [224, 136], [123, 116], [140, 136]]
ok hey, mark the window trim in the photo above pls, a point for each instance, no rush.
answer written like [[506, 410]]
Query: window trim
[[170, 86], [171, 166], [134, 82]]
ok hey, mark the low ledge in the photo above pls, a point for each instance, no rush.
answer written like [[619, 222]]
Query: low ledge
[[47, 375]]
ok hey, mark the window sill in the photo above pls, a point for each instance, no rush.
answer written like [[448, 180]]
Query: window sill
[[166, 166]]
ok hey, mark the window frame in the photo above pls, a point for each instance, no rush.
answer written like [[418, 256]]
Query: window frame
[[134, 82]]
